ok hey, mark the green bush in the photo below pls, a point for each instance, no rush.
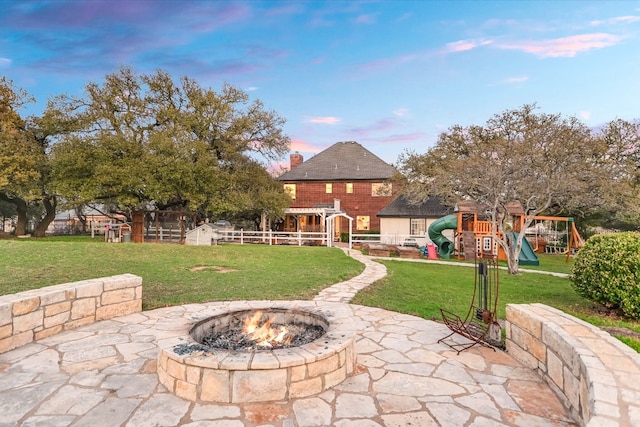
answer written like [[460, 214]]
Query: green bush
[[607, 271]]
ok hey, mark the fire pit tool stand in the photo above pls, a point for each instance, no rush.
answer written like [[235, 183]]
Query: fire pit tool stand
[[480, 322]]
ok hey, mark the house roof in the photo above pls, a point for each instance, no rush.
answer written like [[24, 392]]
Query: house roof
[[401, 207], [341, 162]]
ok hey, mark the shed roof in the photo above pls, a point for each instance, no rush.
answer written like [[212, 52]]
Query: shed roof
[[343, 161], [401, 207]]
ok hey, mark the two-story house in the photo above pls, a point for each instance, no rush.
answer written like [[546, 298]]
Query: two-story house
[[344, 178]]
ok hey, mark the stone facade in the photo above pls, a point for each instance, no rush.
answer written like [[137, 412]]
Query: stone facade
[[40, 313], [596, 375]]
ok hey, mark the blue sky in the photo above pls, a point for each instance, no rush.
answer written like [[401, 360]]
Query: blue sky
[[391, 75]]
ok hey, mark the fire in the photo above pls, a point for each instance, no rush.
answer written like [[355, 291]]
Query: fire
[[263, 334]]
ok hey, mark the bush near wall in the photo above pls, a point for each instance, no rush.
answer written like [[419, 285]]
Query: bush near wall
[[607, 271]]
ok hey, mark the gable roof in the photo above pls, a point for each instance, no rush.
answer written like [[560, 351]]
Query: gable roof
[[402, 208], [342, 161]]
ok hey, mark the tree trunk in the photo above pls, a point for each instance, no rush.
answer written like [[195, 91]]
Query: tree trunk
[[21, 209], [21, 212], [513, 253], [49, 203]]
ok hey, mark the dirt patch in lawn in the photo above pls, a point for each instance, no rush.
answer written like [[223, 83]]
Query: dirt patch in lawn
[[215, 268]]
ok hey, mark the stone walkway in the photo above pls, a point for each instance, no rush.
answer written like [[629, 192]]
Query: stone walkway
[[105, 375]]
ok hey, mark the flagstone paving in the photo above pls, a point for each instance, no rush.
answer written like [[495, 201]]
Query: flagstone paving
[[105, 375]]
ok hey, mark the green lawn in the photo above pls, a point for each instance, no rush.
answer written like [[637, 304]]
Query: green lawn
[[169, 272], [423, 288], [174, 274]]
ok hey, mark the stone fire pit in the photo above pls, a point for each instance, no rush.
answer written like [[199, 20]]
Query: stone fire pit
[[198, 373]]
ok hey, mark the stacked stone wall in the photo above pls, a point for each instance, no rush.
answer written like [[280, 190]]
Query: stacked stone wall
[[596, 375], [39, 313]]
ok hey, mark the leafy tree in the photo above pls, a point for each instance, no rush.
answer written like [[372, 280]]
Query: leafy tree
[[144, 141], [623, 141], [24, 160], [543, 161]]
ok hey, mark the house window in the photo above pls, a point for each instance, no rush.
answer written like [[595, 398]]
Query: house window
[[362, 222], [418, 226], [328, 188], [290, 189], [380, 189], [349, 187]]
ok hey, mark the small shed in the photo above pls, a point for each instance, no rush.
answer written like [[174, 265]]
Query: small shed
[[202, 235]]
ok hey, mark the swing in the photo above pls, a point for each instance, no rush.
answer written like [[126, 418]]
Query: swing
[[480, 324]]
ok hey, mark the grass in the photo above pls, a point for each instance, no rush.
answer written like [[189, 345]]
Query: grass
[[423, 288], [254, 271], [170, 276]]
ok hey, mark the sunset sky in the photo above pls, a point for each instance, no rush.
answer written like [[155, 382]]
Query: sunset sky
[[391, 75]]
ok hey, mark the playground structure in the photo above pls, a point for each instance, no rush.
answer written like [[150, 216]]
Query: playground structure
[[473, 234]]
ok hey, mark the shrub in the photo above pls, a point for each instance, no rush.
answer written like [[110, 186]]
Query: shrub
[[607, 271]]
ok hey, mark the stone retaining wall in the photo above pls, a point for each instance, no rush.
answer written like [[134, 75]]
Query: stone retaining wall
[[39, 313], [597, 375]]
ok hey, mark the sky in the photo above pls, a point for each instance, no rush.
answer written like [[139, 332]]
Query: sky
[[391, 75]]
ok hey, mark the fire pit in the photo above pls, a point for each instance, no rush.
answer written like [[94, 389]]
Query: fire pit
[[258, 330], [260, 352]]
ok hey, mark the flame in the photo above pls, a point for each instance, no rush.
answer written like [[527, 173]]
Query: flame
[[263, 334]]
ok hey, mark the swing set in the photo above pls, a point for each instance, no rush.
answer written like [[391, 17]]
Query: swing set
[[554, 235]]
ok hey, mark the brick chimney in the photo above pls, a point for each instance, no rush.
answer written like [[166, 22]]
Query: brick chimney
[[295, 159]]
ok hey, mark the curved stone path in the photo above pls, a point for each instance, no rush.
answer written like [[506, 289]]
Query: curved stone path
[[104, 375]]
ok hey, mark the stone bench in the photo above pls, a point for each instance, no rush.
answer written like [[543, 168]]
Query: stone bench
[[39, 313], [596, 375]]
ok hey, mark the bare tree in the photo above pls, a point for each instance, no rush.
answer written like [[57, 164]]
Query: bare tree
[[542, 161]]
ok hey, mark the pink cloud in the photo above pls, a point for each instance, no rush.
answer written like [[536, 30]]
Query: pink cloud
[[365, 19], [464, 45], [303, 146], [381, 125], [324, 120], [617, 20], [564, 46], [408, 137]]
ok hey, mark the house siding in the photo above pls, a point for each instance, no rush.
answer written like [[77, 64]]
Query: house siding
[[360, 202]]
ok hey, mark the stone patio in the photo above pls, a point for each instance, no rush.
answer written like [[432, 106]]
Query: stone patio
[[104, 374]]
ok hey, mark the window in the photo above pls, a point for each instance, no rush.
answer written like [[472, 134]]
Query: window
[[418, 226], [486, 245], [362, 222], [349, 187], [328, 188], [290, 189], [380, 189]]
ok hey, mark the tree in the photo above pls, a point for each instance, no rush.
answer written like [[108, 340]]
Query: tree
[[143, 141], [24, 160], [543, 161], [622, 139]]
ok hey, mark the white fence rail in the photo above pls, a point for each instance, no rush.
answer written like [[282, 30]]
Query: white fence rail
[[299, 238], [272, 237]]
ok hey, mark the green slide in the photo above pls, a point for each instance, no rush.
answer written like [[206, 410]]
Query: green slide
[[445, 246], [527, 254]]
